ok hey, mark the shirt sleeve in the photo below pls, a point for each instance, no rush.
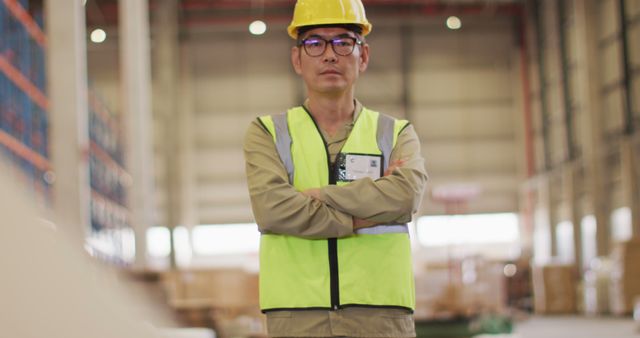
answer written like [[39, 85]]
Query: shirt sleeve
[[277, 206], [389, 199]]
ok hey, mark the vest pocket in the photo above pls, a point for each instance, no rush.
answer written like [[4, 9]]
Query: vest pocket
[[288, 277], [376, 270]]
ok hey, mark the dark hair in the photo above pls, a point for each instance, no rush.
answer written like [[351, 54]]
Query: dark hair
[[348, 26]]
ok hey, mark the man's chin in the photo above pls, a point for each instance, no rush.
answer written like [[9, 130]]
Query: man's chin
[[334, 88]]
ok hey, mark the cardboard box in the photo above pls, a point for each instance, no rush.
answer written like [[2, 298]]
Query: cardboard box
[[625, 276], [554, 289], [468, 287], [226, 288]]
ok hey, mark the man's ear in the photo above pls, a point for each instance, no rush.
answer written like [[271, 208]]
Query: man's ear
[[295, 60], [364, 57]]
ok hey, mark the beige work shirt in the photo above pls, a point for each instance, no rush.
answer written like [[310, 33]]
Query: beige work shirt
[[280, 209]]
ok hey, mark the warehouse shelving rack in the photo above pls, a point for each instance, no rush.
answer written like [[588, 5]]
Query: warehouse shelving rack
[[24, 106], [109, 178], [111, 232], [24, 131]]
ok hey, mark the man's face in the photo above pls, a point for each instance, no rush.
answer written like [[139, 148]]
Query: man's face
[[330, 72]]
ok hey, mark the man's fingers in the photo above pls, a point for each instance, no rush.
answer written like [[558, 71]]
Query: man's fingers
[[359, 223], [313, 193], [393, 166]]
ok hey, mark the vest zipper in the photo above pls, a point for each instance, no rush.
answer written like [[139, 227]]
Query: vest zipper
[[333, 246], [333, 273], [332, 243]]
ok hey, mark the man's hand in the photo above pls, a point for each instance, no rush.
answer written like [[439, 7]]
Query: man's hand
[[393, 166], [316, 194], [359, 223], [313, 193]]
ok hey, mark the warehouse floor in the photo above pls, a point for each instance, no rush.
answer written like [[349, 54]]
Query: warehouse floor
[[577, 327]]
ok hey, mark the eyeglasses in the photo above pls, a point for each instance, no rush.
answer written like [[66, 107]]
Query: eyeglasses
[[316, 46]]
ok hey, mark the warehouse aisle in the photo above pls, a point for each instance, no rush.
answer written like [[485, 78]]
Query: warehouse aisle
[[582, 327]]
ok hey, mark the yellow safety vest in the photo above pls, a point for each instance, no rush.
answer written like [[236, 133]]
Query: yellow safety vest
[[371, 268]]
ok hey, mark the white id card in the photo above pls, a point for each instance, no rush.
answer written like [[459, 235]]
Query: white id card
[[359, 166]]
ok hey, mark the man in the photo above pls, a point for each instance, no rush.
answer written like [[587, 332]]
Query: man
[[332, 187]]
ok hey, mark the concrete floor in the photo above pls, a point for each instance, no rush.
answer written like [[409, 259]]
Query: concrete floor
[[577, 327]]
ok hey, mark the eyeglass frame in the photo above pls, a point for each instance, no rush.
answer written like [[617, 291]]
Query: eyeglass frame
[[357, 42]]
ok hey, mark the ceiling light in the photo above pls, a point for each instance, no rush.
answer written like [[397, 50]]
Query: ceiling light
[[257, 27], [98, 36], [453, 22], [510, 270]]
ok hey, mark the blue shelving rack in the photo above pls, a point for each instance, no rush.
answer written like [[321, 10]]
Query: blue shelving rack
[[24, 122]]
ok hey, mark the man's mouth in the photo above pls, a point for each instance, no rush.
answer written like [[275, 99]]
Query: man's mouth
[[330, 72]]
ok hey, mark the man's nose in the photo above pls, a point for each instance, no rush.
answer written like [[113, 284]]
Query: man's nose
[[329, 54]]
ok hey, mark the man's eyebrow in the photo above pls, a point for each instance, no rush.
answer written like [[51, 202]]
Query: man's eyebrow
[[317, 36], [343, 35]]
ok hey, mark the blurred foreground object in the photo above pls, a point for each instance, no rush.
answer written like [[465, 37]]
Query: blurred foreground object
[[188, 333], [51, 288]]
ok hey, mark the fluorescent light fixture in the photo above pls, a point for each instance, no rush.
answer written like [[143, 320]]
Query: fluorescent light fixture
[[257, 27], [98, 35], [453, 22]]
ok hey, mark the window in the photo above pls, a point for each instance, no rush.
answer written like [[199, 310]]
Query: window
[[225, 239], [621, 229], [564, 241], [468, 229], [589, 250], [158, 242]]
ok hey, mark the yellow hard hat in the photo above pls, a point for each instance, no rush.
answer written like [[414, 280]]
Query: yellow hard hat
[[327, 12]]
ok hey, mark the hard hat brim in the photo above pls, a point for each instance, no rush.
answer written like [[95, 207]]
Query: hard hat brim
[[293, 29]]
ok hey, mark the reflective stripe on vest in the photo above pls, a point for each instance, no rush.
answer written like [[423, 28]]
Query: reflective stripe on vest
[[385, 135], [283, 143], [384, 229], [372, 267], [385, 138]]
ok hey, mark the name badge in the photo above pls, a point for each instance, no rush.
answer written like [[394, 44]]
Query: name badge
[[354, 166]]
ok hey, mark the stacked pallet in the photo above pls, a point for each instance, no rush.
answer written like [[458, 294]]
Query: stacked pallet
[[223, 299], [465, 288]]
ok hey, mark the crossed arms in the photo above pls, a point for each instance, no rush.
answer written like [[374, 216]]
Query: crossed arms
[[331, 211]]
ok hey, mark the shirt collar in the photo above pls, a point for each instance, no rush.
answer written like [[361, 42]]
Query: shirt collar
[[356, 111]]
